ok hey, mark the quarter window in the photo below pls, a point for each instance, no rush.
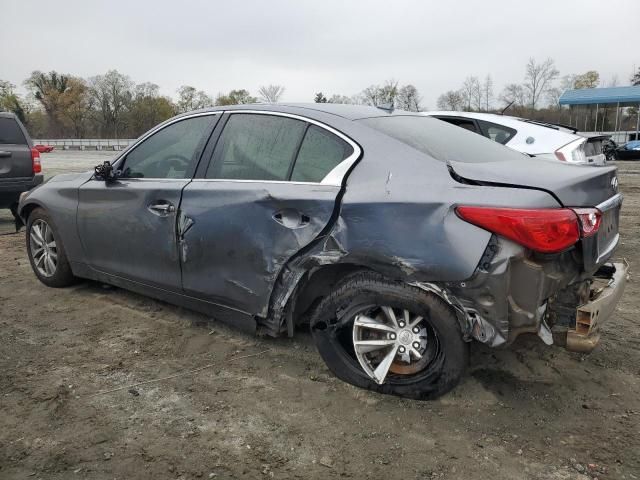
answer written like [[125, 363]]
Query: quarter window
[[256, 147], [319, 153], [171, 152], [497, 133]]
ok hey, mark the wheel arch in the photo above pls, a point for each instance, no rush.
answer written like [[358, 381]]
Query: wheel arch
[[27, 209]]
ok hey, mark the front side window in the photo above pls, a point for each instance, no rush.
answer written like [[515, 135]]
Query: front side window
[[497, 133], [256, 147], [172, 152], [321, 151]]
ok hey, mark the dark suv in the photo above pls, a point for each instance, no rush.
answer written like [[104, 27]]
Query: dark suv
[[20, 168]]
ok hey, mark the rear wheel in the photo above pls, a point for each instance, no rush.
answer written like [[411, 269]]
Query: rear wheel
[[46, 252], [390, 337]]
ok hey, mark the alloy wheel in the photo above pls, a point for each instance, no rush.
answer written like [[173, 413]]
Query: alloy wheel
[[392, 340], [44, 250]]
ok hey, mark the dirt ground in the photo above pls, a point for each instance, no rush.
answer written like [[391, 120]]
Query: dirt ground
[[530, 411]]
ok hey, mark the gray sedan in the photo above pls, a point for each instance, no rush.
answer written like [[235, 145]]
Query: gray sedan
[[397, 237]]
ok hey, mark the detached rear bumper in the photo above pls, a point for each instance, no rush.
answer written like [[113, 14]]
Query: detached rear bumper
[[604, 295]]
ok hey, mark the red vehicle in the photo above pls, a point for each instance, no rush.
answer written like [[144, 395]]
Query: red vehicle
[[44, 148]]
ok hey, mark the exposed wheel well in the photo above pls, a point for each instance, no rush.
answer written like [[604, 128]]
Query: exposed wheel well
[[317, 285], [27, 209]]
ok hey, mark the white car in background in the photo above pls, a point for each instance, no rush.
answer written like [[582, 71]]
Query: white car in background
[[537, 139]]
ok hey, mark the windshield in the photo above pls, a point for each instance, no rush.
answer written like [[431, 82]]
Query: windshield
[[442, 141]]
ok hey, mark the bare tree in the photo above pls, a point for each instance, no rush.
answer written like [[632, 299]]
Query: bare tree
[[375, 95], [389, 92], [538, 79], [553, 96], [409, 98], [451, 100], [487, 90], [513, 93], [614, 81], [112, 94], [270, 93], [469, 90]]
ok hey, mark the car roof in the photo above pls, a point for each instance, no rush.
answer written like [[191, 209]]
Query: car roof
[[349, 112], [7, 115]]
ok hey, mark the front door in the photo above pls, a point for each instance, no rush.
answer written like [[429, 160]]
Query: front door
[[128, 226], [270, 189]]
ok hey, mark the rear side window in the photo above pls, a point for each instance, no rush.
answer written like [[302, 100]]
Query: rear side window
[[320, 152], [256, 147], [10, 132], [441, 140], [497, 133]]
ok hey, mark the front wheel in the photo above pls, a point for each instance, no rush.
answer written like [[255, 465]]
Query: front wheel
[[390, 337], [46, 253]]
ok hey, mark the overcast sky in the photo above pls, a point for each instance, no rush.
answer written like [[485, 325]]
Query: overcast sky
[[330, 46]]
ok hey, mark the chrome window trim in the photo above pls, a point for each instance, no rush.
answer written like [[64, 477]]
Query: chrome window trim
[[334, 177]]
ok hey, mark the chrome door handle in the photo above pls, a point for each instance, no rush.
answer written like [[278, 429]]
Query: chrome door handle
[[161, 208], [4, 154]]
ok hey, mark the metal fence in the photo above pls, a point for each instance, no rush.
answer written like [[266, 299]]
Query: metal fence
[[86, 143]]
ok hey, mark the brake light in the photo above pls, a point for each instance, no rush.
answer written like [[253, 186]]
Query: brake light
[[36, 166], [590, 219], [548, 230]]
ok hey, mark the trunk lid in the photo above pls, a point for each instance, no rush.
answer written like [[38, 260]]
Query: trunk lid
[[572, 185]]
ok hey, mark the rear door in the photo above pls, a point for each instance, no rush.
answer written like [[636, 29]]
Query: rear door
[[270, 189], [15, 151]]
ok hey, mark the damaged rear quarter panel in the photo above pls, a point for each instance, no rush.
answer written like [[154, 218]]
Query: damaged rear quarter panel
[[397, 217]]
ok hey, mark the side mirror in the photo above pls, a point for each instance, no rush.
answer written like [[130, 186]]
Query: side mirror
[[106, 172]]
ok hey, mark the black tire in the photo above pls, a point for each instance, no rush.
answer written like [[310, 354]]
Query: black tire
[[62, 275], [332, 327]]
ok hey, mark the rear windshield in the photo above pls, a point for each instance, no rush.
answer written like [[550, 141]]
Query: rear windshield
[[10, 132], [442, 141]]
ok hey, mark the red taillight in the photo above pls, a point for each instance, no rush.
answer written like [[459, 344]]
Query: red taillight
[[590, 219], [542, 230], [35, 161]]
